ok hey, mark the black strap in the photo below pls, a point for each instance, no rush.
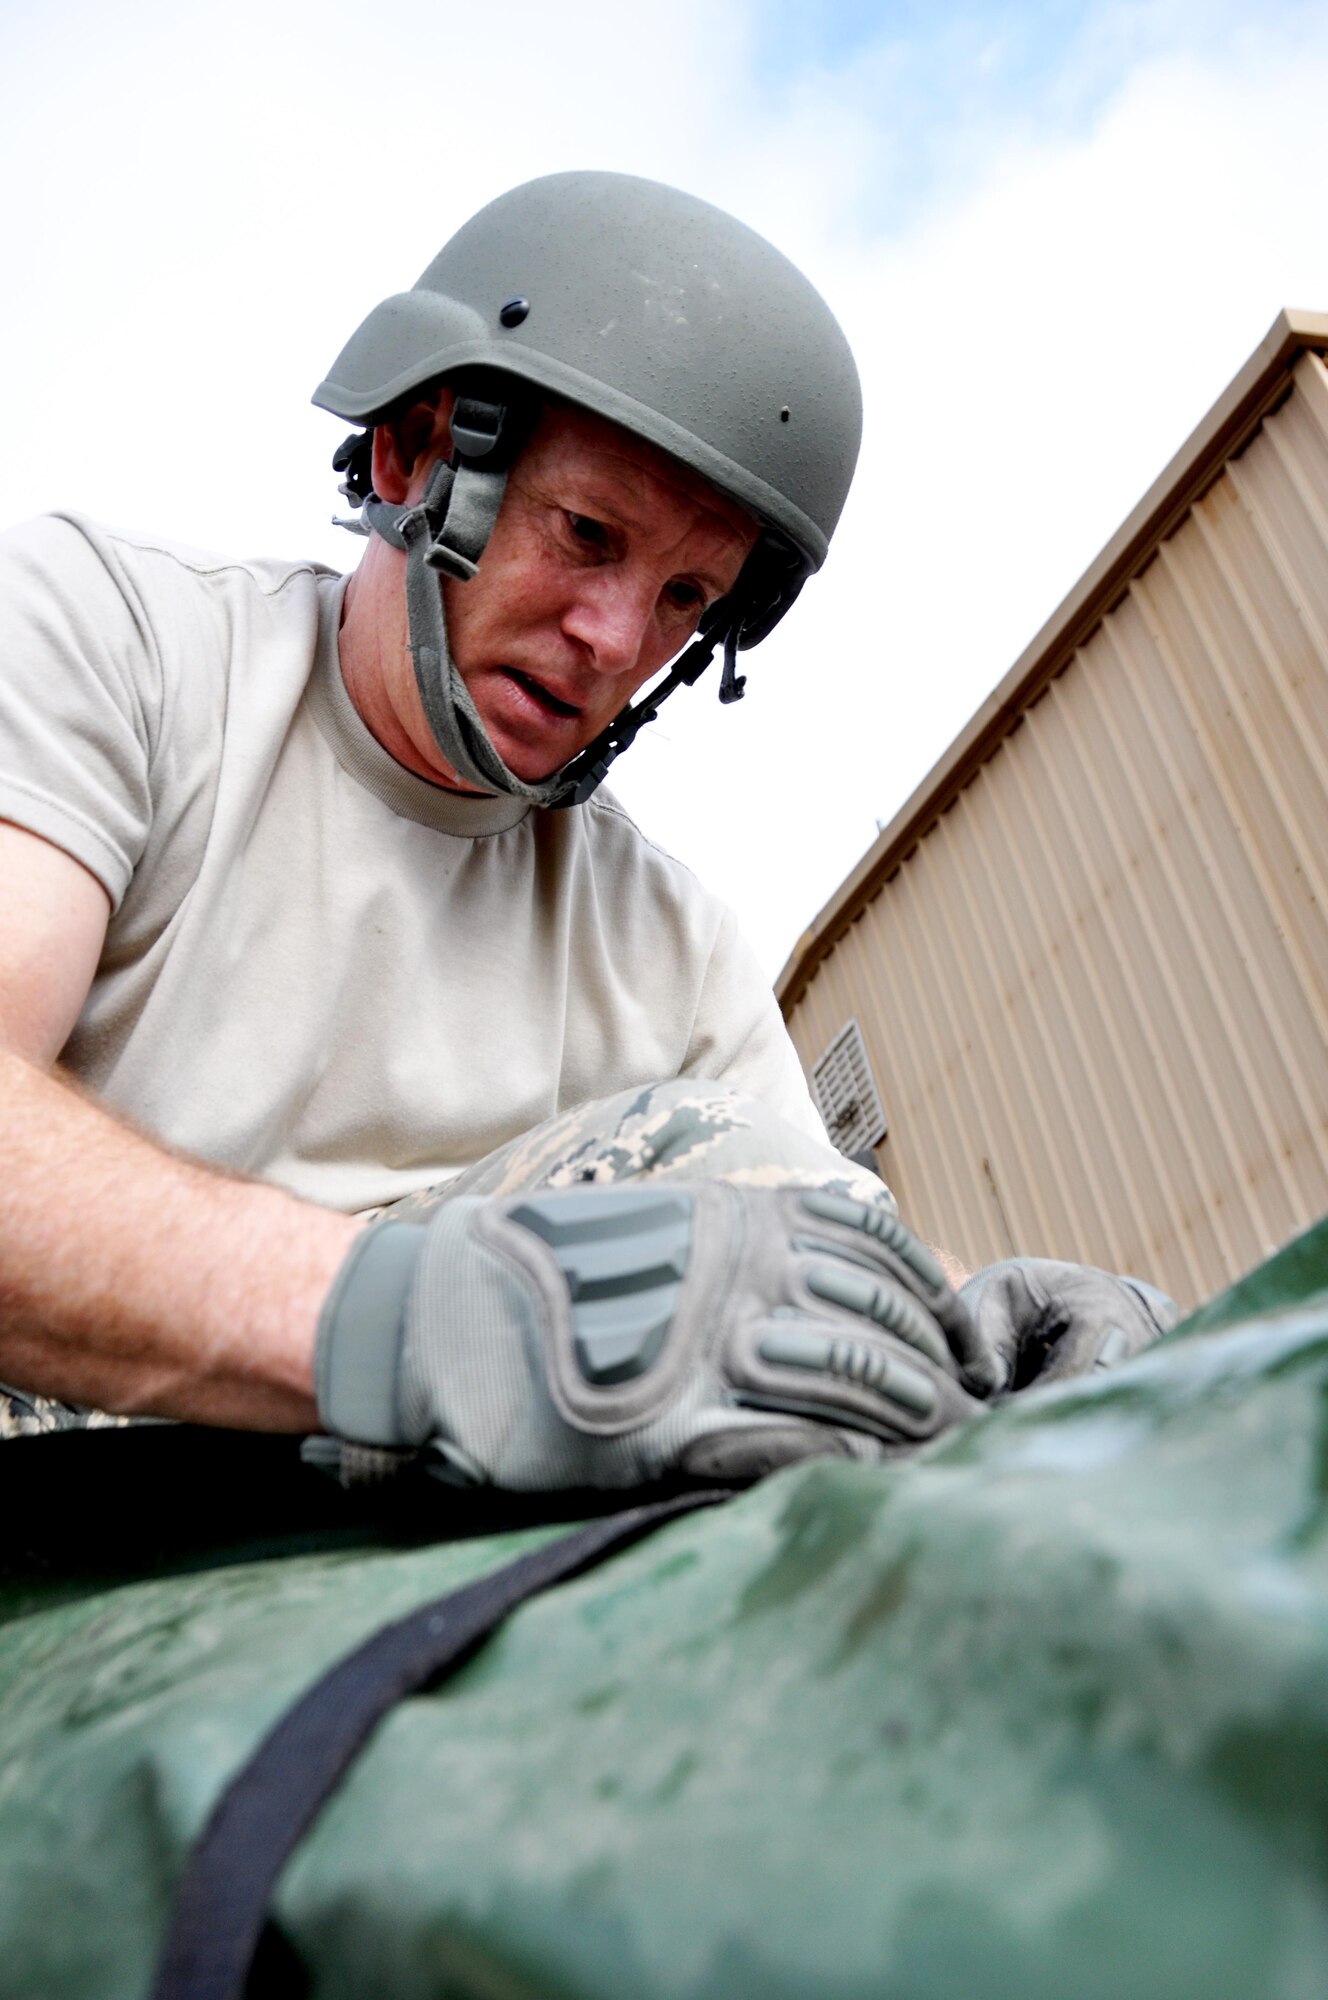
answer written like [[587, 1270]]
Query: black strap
[[222, 1897]]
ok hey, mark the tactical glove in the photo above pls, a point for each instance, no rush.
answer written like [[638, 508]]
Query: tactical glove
[[1043, 1321], [607, 1337]]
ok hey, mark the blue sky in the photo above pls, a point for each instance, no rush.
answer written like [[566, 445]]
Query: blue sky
[[923, 57], [945, 86], [1024, 57]]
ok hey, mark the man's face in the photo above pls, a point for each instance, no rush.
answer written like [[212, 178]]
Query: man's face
[[604, 556]]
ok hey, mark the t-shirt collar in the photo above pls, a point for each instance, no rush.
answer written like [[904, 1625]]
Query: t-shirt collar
[[360, 753]]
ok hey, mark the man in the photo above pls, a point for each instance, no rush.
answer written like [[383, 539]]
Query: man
[[309, 880]]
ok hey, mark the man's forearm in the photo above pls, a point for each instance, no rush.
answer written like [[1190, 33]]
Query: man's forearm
[[135, 1280]]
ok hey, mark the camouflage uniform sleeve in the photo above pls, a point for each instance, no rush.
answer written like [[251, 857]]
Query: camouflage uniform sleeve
[[26, 1415]]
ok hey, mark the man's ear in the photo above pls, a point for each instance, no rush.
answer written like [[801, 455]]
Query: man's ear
[[405, 449]]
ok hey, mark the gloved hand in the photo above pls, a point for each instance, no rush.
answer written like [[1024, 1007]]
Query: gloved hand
[[1043, 1321], [605, 1337]]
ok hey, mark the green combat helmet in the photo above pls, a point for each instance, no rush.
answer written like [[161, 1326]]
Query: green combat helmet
[[652, 309]]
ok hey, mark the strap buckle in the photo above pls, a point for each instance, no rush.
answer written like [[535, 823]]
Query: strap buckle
[[477, 428]]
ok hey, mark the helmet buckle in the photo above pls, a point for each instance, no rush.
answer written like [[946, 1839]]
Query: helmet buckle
[[477, 427], [450, 562], [732, 684]]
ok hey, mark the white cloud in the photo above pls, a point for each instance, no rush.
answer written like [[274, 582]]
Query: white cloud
[[213, 196], [1032, 355]]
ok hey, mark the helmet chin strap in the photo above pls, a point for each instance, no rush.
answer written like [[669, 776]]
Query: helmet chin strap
[[429, 535], [447, 531]]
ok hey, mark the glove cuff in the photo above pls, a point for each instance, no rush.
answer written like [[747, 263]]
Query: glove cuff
[[361, 1332], [1163, 1311]]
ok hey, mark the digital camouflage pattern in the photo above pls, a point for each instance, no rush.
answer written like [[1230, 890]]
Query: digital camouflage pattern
[[685, 1128], [24, 1415]]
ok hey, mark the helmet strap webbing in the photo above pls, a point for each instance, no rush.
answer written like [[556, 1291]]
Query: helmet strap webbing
[[447, 531], [586, 773]]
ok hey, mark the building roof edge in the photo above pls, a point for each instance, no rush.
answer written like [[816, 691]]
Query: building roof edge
[[1231, 421]]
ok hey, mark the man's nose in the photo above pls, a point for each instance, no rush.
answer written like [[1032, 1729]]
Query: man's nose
[[609, 615]]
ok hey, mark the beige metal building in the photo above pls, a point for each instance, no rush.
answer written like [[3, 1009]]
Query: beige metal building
[[1089, 958]]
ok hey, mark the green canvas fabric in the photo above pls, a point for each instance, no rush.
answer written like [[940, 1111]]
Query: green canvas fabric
[[1038, 1711]]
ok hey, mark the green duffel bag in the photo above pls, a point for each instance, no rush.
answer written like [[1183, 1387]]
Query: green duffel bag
[[1037, 1713]]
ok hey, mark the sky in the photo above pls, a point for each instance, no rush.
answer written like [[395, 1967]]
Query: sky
[[1052, 233]]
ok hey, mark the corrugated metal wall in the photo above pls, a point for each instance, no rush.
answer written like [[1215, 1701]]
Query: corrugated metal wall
[[1095, 994]]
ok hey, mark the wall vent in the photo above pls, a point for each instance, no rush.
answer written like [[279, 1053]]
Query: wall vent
[[846, 1093]]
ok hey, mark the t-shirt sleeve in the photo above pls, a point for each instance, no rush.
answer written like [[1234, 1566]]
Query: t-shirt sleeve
[[739, 1035], [79, 698]]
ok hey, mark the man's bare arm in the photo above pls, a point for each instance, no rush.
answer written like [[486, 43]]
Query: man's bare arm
[[132, 1279]]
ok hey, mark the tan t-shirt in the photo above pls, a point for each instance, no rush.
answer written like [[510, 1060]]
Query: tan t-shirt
[[320, 969]]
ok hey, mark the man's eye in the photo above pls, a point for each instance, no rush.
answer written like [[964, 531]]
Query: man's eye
[[593, 533], [685, 596]]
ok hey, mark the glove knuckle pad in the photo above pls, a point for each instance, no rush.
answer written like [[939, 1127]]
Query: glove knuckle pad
[[863, 1381], [618, 1268], [884, 1302], [881, 1227]]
